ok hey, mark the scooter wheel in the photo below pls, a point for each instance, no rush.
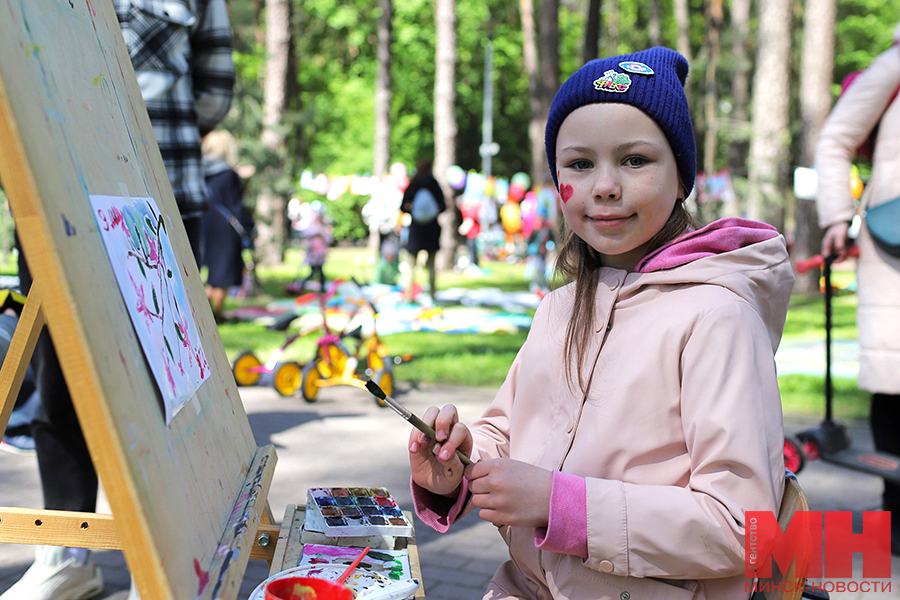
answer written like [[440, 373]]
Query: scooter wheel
[[246, 369], [794, 456]]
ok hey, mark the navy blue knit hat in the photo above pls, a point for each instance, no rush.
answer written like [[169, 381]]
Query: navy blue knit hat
[[651, 80]]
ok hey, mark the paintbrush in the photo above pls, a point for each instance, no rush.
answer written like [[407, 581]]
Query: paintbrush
[[410, 417], [352, 566]]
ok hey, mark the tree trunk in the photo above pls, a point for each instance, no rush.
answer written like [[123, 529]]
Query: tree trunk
[[611, 42], [445, 124], [536, 121], [714, 18], [740, 96], [591, 31], [654, 25], [815, 104], [683, 23], [771, 101], [548, 56], [382, 150], [383, 91], [270, 207]]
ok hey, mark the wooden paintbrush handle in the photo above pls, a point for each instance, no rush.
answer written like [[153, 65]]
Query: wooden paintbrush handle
[[427, 430]]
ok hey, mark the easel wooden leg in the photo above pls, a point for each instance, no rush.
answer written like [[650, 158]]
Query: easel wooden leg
[[19, 355]]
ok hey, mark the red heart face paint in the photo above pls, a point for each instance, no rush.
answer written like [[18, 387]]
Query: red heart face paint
[[565, 192]]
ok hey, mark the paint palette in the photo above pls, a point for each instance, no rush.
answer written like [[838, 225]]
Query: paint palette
[[355, 511]]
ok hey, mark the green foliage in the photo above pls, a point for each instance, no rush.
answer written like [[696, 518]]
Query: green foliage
[[862, 31], [346, 217], [329, 120]]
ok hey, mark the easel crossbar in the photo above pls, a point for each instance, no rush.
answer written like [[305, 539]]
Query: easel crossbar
[[92, 530], [21, 347]]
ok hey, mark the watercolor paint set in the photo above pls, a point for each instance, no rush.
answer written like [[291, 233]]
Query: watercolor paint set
[[355, 511]]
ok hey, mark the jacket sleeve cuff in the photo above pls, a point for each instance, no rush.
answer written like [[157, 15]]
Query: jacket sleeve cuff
[[566, 531], [436, 511], [608, 526]]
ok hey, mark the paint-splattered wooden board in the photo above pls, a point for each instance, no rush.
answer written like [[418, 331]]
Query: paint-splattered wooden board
[[186, 495]]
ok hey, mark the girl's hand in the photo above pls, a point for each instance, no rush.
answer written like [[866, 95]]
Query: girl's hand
[[435, 466], [510, 492], [835, 241]]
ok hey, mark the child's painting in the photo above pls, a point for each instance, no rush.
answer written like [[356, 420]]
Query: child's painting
[[137, 242]]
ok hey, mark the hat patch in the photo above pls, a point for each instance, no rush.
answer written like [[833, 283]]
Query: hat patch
[[632, 66], [617, 83]]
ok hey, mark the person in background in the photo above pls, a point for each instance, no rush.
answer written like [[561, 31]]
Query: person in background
[[616, 459], [315, 231], [227, 225], [470, 228], [17, 438], [423, 235], [387, 269], [181, 54], [869, 103], [540, 243]]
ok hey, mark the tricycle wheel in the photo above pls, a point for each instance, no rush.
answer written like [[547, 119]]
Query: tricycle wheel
[[246, 368], [331, 358], [385, 380], [288, 378], [794, 457], [309, 382]]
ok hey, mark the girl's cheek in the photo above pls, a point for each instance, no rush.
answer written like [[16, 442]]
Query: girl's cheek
[[565, 192]]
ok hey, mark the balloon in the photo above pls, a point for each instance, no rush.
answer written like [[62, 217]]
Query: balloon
[[856, 183], [516, 192], [398, 170], [456, 177], [856, 187], [489, 186], [528, 207], [511, 217], [522, 179]]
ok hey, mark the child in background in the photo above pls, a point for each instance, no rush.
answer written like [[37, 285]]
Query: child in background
[[641, 419], [540, 242], [387, 269], [316, 233], [470, 228]]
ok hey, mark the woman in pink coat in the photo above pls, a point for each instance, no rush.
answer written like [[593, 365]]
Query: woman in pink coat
[[870, 102], [641, 419]]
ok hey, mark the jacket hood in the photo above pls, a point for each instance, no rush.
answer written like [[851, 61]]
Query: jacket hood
[[746, 257]]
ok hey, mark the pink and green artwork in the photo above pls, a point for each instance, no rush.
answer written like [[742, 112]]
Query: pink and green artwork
[[137, 242]]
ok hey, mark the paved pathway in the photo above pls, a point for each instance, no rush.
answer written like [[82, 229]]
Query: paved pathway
[[345, 439]]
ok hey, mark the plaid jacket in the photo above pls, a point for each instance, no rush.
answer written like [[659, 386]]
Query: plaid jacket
[[181, 53]]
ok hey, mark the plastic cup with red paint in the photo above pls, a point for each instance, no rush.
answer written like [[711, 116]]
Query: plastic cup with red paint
[[306, 588]]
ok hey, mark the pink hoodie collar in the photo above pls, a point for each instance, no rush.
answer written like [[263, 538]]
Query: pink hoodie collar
[[718, 237]]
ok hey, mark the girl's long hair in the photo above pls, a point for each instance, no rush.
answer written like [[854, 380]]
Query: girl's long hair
[[580, 263]]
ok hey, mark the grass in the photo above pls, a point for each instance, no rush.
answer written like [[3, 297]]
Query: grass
[[805, 394], [482, 360]]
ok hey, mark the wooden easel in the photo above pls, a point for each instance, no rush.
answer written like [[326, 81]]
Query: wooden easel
[[187, 497]]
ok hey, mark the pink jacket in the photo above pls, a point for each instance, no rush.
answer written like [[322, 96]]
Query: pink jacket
[[864, 105], [679, 434]]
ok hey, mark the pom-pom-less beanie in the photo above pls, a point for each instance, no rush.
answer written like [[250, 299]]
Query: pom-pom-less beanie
[[651, 80]]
